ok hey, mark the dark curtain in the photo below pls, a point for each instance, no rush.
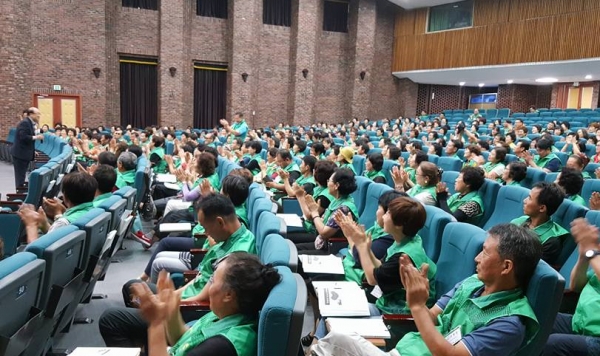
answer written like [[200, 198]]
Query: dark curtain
[[335, 16], [139, 94], [212, 8], [210, 97], [277, 12], [142, 4]]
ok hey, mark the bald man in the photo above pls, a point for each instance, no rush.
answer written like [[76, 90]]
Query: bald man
[[23, 149]]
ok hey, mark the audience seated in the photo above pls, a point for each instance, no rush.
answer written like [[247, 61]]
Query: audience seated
[[126, 164], [373, 165], [466, 204], [106, 177], [571, 182]]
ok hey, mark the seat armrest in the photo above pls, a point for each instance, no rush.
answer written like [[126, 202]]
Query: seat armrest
[[15, 196], [194, 306], [337, 240], [197, 256], [14, 205], [569, 301], [398, 319], [189, 276], [22, 190]]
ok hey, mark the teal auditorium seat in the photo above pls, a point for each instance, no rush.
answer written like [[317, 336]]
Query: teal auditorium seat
[[433, 230], [360, 194], [253, 195], [433, 158], [450, 164], [449, 177], [21, 281], [358, 162], [509, 205], [388, 165], [260, 205], [489, 192], [374, 191], [62, 250], [268, 223], [566, 213], [551, 177], [589, 186], [282, 316], [461, 243], [544, 293], [279, 252], [534, 175], [127, 193]]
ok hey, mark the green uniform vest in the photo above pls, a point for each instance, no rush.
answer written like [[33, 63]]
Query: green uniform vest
[[395, 302], [74, 213], [348, 166], [577, 199], [306, 180], [542, 162], [292, 167], [161, 166], [351, 273], [258, 160], [412, 174], [470, 163], [236, 126], [242, 214], [347, 201], [374, 174], [418, 189], [586, 320], [471, 314], [125, 179], [489, 166], [271, 168], [299, 155], [241, 240], [456, 201], [318, 192], [100, 199], [546, 231], [239, 329], [515, 183]]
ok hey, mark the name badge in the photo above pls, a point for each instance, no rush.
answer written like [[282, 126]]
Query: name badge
[[377, 292], [454, 336]]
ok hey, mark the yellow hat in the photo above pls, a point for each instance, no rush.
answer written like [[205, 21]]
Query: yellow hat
[[347, 153]]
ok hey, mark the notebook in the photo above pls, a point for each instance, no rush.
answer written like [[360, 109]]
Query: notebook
[[370, 328], [105, 351], [175, 227], [291, 219], [166, 178], [341, 299], [329, 264]]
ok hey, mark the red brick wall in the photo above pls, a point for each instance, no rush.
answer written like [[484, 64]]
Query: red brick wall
[[48, 42]]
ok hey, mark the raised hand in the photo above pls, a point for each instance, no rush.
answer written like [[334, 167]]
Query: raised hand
[[585, 234], [415, 282], [595, 201], [205, 187], [311, 204], [441, 188]]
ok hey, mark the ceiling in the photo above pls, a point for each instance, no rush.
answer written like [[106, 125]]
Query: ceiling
[[523, 73], [413, 4]]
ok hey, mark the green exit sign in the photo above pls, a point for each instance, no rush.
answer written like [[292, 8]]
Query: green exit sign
[[56, 87]]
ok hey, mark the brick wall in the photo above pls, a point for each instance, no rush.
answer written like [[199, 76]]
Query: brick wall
[[48, 42]]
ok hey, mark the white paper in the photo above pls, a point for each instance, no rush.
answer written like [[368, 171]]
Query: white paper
[[172, 186], [166, 178], [175, 227], [329, 264], [365, 327], [291, 219], [341, 299], [105, 351]]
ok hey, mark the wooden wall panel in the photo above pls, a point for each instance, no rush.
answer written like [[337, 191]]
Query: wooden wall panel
[[504, 32]]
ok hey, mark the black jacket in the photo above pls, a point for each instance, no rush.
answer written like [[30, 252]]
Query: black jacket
[[24, 145]]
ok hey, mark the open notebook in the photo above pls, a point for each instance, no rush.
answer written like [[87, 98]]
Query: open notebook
[[368, 328], [105, 351], [322, 264], [341, 299]]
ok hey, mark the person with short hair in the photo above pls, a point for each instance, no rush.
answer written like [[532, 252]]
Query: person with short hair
[[298, 148], [579, 162], [571, 181], [543, 201], [466, 204], [545, 159], [157, 155], [106, 177], [427, 177], [514, 173], [494, 168], [287, 165], [306, 179], [238, 129], [452, 148], [473, 156], [373, 166], [126, 165], [505, 320], [254, 159]]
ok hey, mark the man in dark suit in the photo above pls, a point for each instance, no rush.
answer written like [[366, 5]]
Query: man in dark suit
[[23, 149]]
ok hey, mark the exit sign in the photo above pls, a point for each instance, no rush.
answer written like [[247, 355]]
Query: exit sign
[[56, 87]]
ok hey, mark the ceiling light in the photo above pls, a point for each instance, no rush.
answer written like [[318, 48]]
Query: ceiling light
[[589, 76], [546, 80], [461, 83], [481, 85], [510, 81]]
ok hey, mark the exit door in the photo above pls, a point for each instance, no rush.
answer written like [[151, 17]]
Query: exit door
[[575, 97], [55, 109]]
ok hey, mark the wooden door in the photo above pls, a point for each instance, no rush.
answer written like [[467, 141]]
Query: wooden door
[[58, 108], [570, 97]]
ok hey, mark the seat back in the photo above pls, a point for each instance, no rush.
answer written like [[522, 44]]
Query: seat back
[[260, 205], [358, 162], [551, 177], [509, 205], [253, 195], [116, 206], [374, 191], [450, 164], [534, 175], [433, 230], [12, 228], [268, 223], [489, 193], [282, 316], [544, 293], [388, 165], [449, 177], [566, 213], [360, 194], [279, 252], [589, 186], [21, 280], [95, 223], [461, 243], [128, 193]]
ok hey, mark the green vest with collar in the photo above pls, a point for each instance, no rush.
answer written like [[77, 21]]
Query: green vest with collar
[[74, 213], [125, 179], [100, 199], [546, 231], [586, 320], [542, 162], [456, 201], [418, 189], [374, 174], [160, 166]]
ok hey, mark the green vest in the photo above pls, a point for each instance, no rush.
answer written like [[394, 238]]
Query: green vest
[[318, 192], [306, 180], [577, 199], [74, 213], [258, 160], [470, 163], [161, 166], [241, 240], [542, 162], [489, 166], [239, 329], [546, 231], [374, 174], [351, 273], [236, 126], [418, 189], [242, 214], [292, 167], [395, 302], [412, 174], [347, 201], [348, 166], [586, 320], [456, 201], [586, 175], [515, 183], [271, 168], [125, 179], [100, 199], [471, 314]]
